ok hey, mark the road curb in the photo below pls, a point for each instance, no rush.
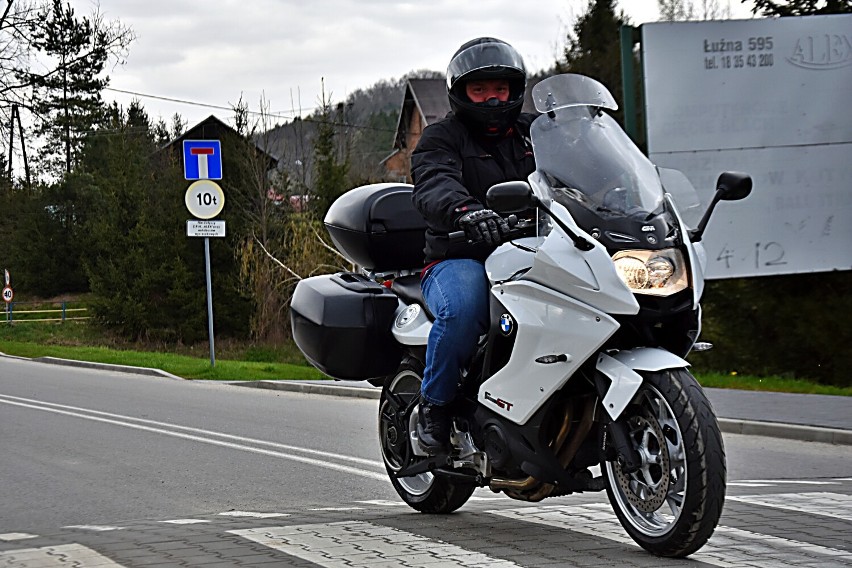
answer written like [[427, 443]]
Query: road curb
[[105, 367], [798, 432], [307, 387]]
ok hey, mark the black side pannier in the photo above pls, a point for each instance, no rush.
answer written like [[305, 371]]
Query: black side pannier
[[377, 227], [342, 324]]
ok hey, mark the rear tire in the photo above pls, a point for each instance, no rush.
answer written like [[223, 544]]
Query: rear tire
[[426, 492], [672, 505]]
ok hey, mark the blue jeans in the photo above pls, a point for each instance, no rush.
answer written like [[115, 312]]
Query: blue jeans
[[456, 291]]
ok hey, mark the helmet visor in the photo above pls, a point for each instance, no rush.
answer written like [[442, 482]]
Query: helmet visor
[[486, 61]]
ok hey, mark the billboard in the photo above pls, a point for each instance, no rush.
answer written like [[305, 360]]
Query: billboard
[[769, 97]]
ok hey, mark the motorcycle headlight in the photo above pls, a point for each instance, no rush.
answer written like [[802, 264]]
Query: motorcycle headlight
[[655, 272]]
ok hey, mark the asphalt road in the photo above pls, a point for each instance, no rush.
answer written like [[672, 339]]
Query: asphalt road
[[133, 470]]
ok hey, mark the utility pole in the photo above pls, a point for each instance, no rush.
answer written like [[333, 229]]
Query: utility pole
[[13, 119]]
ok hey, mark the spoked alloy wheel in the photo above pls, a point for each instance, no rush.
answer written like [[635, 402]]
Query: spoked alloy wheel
[[394, 430], [672, 503], [424, 492]]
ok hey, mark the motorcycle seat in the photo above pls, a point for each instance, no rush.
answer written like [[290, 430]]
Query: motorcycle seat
[[408, 289]]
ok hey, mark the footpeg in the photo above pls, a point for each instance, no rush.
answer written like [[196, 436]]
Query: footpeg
[[429, 464]]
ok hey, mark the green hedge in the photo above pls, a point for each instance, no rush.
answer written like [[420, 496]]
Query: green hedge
[[790, 326]]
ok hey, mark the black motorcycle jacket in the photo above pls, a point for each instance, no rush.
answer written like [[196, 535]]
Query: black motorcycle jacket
[[452, 169]]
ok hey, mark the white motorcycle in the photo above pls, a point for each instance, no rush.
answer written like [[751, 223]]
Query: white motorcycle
[[594, 303]]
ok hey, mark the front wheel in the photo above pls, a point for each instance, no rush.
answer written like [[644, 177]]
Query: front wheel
[[672, 504], [425, 492]]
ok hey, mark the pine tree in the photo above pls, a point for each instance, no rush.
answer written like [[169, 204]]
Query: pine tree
[[331, 160], [594, 49], [67, 100]]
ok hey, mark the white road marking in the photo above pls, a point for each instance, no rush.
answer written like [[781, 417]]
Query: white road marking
[[789, 482], [337, 509], [748, 484], [9, 537], [96, 528], [383, 503], [185, 521], [252, 514], [727, 547], [832, 505], [58, 409], [355, 543], [61, 556]]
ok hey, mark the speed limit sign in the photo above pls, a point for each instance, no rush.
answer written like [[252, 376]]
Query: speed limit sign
[[8, 294]]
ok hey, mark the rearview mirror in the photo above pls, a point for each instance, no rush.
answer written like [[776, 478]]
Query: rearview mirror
[[510, 197], [732, 186]]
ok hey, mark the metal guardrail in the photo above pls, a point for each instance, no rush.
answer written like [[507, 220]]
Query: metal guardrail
[[63, 309]]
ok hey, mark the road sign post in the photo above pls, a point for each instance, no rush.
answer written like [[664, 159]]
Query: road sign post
[[202, 160], [8, 293]]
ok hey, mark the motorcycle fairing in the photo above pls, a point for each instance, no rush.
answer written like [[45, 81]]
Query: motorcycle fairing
[[411, 324], [696, 255], [549, 323], [588, 276]]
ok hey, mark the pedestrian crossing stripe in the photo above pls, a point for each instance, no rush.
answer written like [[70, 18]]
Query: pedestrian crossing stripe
[[358, 543], [728, 546], [361, 543], [9, 537], [833, 505], [64, 555], [252, 514]]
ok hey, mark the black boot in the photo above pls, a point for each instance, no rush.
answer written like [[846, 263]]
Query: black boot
[[433, 428]]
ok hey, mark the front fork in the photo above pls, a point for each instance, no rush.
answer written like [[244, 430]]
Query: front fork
[[617, 435]]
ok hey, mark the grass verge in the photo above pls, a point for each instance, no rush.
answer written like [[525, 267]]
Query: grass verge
[[180, 365], [774, 384]]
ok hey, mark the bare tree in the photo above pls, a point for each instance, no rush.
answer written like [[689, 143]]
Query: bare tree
[[21, 26], [686, 10], [281, 243]]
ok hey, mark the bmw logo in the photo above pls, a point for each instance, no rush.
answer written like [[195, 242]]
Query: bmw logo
[[507, 324]]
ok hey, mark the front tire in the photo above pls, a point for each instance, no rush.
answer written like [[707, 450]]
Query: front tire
[[425, 492], [672, 504]]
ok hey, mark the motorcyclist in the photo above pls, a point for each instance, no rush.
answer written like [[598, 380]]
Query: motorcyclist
[[483, 141]]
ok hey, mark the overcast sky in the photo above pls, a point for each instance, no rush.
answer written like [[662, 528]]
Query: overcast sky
[[216, 51]]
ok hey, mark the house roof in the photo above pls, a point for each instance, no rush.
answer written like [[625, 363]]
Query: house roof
[[211, 128], [208, 129], [429, 98]]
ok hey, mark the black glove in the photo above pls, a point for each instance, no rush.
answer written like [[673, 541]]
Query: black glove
[[483, 225]]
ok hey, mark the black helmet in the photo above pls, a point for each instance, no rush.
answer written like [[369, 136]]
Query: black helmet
[[480, 59]]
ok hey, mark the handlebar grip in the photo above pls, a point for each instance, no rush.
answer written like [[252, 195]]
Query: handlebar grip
[[460, 236], [457, 237]]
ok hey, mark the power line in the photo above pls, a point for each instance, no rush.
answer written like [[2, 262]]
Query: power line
[[198, 104]]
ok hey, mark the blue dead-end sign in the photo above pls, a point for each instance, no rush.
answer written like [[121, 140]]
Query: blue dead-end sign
[[202, 159]]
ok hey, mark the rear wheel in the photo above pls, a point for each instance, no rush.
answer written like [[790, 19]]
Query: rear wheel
[[425, 492], [671, 505]]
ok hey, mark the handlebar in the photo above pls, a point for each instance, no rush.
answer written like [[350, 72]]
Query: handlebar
[[512, 220]]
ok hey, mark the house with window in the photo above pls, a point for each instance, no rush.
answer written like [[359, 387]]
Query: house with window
[[424, 102]]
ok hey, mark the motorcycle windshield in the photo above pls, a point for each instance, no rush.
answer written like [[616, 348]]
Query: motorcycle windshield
[[585, 156]]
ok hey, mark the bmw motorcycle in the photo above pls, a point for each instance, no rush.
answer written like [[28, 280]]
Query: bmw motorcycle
[[580, 384]]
